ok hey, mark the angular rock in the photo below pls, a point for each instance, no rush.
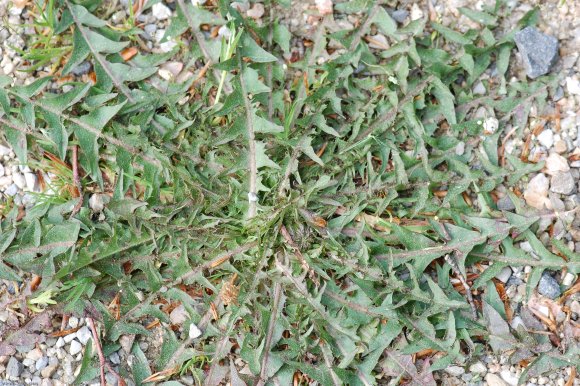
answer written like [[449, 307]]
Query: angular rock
[[505, 203], [478, 368], [555, 163], [75, 347], [12, 190], [178, 315], [509, 377], [562, 183], [504, 274], [14, 368], [536, 194], [48, 371], [160, 11], [494, 380], [257, 11], [400, 15], [548, 286], [573, 85], [82, 68], [539, 51], [41, 363], [546, 138], [83, 335], [455, 370]]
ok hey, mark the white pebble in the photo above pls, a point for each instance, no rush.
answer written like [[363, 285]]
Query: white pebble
[[12, 190], [19, 180], [546, 138], [59, 343], [83, 335], [490, 125], [4, 150], [73, 322], [568, 279], [509, 377], [194, 331], [160, 11], [5, 181], [75, 347], [69, 338], [30, 179], [573, 85]]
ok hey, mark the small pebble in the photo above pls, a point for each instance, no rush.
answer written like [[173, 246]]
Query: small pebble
[[504, 274], [562, 183], [548, 286], [568, 279], [573, 85], [14, 368], [536, 193], [509, 377], [83, 335], [478, 368], [455, 371], [41, 363], [494, 380], [546, 138], [257, 11], [75, 347], [160, 11]]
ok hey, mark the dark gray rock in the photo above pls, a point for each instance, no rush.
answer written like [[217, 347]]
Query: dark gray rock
[[505, 203], [82, 69], [539, 51], [549, 286], [14, 368], [400, 15]]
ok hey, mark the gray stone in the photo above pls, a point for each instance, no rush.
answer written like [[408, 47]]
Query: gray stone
[[505, 203], [478, 368], [504, 274], [400, 15], [539, 51], [14, 368], [150, 31], [549, 286], [41, 363], [115, 358], [455, 370], [10, 383], [82, 68], [12, 190], [83, 335], [562, 183]]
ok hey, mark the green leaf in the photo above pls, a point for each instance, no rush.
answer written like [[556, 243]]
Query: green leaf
[[445, 99], [85, 17], [253, 84], [384, 22], [450, 35], [88, 369], [140, 369], [282, 36], [262, 160], [250, 49], [480, 17], [80, 52], [262, 125]]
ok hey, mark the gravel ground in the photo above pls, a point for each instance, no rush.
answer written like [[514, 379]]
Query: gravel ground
[[56, 360]]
